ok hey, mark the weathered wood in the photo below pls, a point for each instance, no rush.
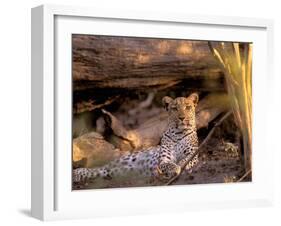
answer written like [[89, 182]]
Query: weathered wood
[[91, 105], [139, 63]]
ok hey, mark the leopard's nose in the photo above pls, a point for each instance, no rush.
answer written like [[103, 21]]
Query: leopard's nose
[[181, 117]]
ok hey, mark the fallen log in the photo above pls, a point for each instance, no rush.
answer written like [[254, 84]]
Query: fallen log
[[101, 62]]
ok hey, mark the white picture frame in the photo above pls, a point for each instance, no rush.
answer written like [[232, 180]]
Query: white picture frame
[[52, 197]]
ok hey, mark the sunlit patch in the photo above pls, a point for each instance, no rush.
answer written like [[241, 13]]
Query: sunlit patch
[[163, 47], [143, 58], [184, 49]]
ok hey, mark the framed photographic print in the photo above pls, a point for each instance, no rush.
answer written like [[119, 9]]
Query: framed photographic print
[[136, 112]]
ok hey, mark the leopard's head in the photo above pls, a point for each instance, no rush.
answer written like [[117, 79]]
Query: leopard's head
[[182, 110]]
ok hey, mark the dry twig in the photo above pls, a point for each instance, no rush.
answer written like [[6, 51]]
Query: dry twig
[[244, 176]]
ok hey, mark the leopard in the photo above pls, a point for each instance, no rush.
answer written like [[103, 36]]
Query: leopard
[[163, 162]]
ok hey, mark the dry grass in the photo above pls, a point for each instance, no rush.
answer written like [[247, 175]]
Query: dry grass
[[236, 61]]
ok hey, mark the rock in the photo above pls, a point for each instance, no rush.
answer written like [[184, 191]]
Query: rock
[[92, 150]]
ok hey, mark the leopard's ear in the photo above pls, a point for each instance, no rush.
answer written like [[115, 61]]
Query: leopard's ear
[[194, 97], [166, 101]]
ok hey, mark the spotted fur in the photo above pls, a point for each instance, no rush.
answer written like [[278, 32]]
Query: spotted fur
[[162, 162]]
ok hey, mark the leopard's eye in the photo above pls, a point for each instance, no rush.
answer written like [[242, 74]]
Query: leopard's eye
[[188, 107]]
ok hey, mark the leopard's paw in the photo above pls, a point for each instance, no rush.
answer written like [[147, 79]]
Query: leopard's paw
[[168, 170]]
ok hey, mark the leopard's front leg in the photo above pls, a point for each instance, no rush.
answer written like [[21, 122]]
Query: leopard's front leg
[[190, 160], [167, 169]]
